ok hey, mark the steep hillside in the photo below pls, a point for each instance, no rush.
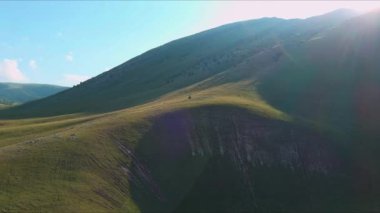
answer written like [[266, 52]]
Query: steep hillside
[[14, 93], [174, 154], [178, 155], [182, 63], [223, 159]]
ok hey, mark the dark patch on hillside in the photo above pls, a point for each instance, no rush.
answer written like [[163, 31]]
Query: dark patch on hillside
[[217, 159]]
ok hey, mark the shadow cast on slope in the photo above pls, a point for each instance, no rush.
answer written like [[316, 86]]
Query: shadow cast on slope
[[223, 159], [334, 82]]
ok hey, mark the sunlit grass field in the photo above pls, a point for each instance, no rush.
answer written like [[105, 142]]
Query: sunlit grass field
[[72, 162]]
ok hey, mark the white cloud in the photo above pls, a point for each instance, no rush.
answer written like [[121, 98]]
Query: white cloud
[[69, 57], [10, 72], [33, 64], [73, 79]]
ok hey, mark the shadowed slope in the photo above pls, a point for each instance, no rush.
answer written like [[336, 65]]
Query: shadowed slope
[[226, 159], [332, 77]]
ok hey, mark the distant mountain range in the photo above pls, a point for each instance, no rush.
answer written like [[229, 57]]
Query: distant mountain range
[[16, 93]]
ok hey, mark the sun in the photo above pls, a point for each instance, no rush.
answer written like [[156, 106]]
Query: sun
[[362, 6]]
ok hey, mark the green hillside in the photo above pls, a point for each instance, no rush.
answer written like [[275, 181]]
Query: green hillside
[[15, 93], [266, 115]]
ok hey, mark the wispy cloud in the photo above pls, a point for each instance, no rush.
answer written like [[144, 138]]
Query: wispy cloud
[[10, 72], [73, 79], [33, 64], [69, 57]]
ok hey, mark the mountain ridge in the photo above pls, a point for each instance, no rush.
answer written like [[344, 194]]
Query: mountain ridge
[[172, 66]]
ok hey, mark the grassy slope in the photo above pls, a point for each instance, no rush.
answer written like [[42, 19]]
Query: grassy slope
[[80, 154], [44, 166], [79, 163], [3, 106], [165, 69]]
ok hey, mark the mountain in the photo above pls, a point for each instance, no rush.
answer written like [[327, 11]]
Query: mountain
[[14, 93], [184, 62], [266, 115]]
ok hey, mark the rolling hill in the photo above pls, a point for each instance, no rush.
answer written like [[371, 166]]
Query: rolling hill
[[267, 115], [15, 93]]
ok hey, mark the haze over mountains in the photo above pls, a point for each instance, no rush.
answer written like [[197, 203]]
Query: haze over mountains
[[261, 115], [15, 93]]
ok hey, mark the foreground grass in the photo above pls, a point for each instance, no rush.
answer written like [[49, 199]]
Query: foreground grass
[[72, 163], [3, 106]]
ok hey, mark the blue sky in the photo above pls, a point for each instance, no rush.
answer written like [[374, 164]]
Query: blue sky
[[67, 42]]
